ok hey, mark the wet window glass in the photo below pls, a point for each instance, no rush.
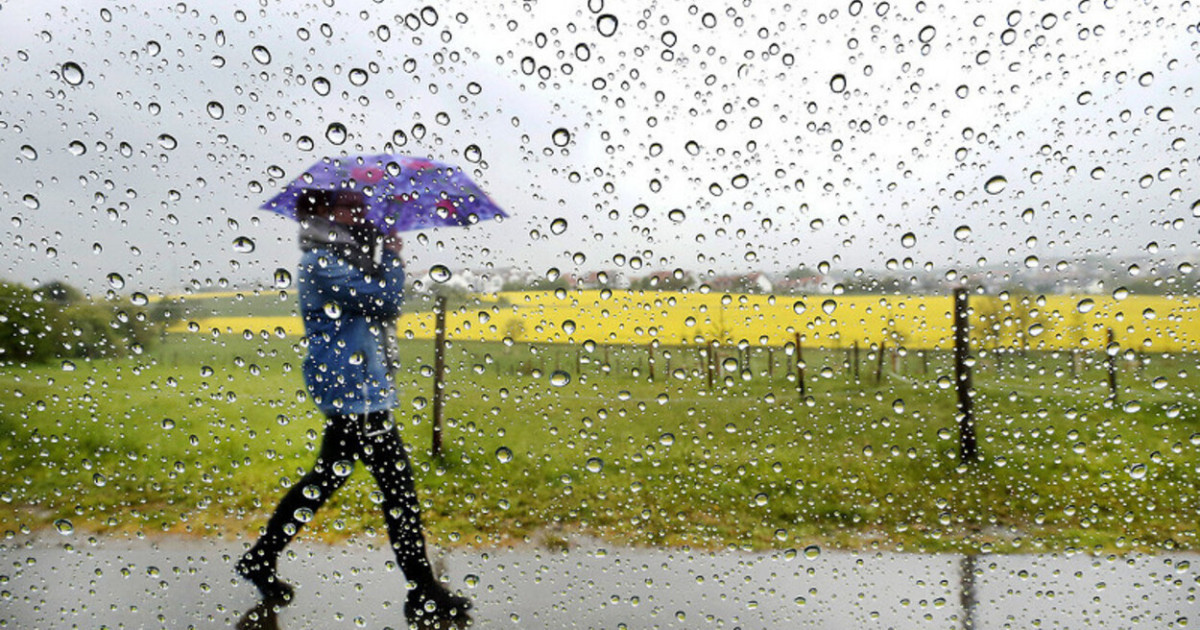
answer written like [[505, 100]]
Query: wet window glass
[[589, 313]]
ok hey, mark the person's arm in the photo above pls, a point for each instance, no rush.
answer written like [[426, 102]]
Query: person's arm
[[379, 293]]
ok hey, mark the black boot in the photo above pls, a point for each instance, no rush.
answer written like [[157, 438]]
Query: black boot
[[430, 607], [261, 573]]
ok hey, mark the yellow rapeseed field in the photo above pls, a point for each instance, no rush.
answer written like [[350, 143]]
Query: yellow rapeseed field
[[1053, 322]]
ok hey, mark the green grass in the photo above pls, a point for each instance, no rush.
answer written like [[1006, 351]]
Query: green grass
[[203, 434]]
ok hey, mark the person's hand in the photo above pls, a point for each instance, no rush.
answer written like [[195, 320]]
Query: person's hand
[[393, 243]]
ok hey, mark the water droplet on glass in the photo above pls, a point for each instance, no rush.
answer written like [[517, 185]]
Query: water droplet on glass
[[215, 110], [243, 245], [558, 226], [72, 73], [28, 152], [838, 83], [926, 35], [440, 273], [829, 306], [676, 215], [471, 580], [504, 455], [1137, 471], [473, 153], [607, 24], [559, 378], [31, 202], [116, 280], [261, 54], [561, 137], [77, 148], [283, 278], [594, 465], [812, 552], [64, 527], [996, 185], [336, 133], [321, 86], [908, 240], [962, 232], [1085, 305], [1146, 79], [358, 77], [1098, 172], [333, 310], [568, 326], [799, 307]]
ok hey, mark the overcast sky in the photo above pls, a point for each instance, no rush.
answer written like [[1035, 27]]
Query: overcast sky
[[138, 139]]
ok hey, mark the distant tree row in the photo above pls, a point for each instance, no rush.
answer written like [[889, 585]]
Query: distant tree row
[[58, 321]]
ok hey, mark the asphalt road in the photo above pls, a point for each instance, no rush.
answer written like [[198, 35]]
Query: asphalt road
[[52, 581]]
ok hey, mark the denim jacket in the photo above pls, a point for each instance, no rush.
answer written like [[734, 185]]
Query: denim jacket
[[349, 323]]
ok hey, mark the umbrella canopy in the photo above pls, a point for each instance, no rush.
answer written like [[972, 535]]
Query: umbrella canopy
[[402, 192]]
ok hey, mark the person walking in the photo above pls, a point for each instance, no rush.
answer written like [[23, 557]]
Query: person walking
[[351, 287]]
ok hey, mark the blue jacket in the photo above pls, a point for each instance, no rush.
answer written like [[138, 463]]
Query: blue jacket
[[349, 324]]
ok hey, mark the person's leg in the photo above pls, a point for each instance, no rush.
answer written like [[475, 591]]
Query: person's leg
[[334, 461], [382, 451]]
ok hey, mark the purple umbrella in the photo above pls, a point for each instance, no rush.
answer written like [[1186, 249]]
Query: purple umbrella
[[402, 192]]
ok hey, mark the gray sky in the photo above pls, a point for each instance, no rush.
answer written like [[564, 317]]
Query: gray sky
[[138, 139]]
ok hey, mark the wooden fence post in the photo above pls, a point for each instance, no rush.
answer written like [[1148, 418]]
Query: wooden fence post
[[439, 372], [800, 385], [854, 361], [711, 366], [1112, 350], [650, 361], [968, 447], [879, 362]]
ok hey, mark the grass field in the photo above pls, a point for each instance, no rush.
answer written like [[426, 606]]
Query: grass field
[[203, 433]]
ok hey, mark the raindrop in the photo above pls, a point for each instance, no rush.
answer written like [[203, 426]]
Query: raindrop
[[962, 232], [666, 439], [321, 86], [908, 240], [358, 77], [215, 110], [1146, 79], [730, 364], [64, 527], [28, 152], [243, 245], [1085, 305], [812, 552], [1098, 173], [261, 54], [473, 153], [740, 181], [72, 73], [594, 465], [838, 83], [607, 24], [829, 306], [676, 215], [440, 273], [568, 326], [561, 137], [31, 202], [336, 133], [558, 226], [116, 280], [926, 35], [167, 141], [1137, 471], [504, 454], [283, 278], [996, 185], [77, 148], [559, 378], [799, 307]]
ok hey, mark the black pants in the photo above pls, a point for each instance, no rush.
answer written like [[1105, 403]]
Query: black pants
[[374, 439]]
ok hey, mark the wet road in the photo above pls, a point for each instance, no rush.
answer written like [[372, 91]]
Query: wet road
[[68, 582]]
